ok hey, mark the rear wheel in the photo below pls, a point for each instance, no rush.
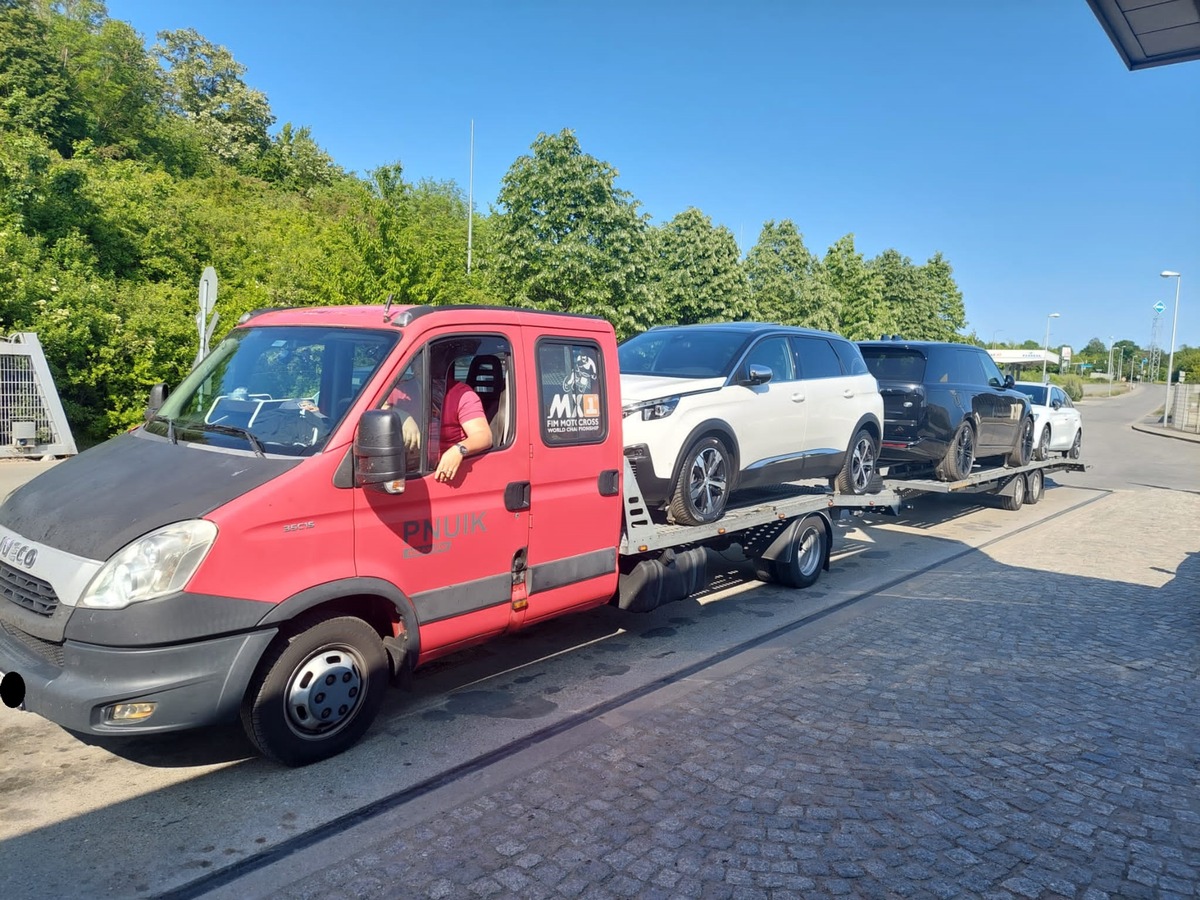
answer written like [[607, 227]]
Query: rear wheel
[[960, 455], [859, 469], [1014, 496], [1043, 445], [702, 489], [316, 691], [808, 552], [1035, 486], [1076, 446], [1022, 450]]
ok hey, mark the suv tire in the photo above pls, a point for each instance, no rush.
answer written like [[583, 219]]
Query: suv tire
[[960, 455], [1022, 450], [860, 468], [702, 488]]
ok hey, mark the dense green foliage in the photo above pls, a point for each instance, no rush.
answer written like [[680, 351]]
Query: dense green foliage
[[126, 169]]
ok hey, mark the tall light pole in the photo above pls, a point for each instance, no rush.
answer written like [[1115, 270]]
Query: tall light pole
[[1111, 343], [992, 343], [1046, 348], [1171, 356]]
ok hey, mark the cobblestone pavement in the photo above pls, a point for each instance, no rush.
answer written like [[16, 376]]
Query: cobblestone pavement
[[986, 729]]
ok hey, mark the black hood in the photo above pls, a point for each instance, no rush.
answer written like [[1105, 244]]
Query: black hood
[[95, 503]]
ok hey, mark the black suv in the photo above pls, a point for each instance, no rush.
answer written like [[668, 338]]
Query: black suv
[[947, 404]]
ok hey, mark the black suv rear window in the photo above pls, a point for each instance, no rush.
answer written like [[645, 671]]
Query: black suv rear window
[[895, 364]]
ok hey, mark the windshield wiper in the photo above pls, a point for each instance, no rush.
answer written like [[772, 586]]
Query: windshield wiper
[[170, 428], [238, 431]]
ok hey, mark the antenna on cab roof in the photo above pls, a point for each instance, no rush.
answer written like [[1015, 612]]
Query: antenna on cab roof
[[387, 307]]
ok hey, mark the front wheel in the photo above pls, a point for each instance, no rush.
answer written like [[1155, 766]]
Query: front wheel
[[316, 691], [857, 474], [702, 489], [1022, 450]]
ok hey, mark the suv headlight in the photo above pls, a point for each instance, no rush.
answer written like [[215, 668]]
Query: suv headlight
[[651, 409], [154, 565]]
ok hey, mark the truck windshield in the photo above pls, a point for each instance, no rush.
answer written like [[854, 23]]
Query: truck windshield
[[273, 390]]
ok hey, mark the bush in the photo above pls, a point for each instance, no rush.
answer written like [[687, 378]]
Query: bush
[[1072, 384]]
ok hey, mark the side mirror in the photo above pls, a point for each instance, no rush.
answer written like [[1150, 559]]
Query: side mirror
[[1056, 404], [758, 374], [379, 454], [158, 396], [1009, 381]]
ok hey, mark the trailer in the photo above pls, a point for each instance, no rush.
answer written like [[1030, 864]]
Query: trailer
[[1014, 485]]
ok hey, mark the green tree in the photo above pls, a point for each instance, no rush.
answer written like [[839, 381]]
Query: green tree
[[862, 312], [204, 84], [566, 238], [35, 93], [695, 273], [786, 280]]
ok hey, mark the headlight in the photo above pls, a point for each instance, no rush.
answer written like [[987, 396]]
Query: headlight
[[652, 409], [159, 563]]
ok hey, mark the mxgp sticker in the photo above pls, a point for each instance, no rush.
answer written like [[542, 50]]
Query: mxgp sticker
[[574, 411]]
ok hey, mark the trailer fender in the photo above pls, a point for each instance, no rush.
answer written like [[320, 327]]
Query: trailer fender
[[783, 548]]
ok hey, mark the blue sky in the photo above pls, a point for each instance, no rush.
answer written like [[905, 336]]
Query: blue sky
[[1006, 135]]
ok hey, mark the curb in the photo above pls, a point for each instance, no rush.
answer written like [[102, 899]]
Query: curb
[[1166, 432]]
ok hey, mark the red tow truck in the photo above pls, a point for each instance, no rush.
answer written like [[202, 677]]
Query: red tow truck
[[272, 545]]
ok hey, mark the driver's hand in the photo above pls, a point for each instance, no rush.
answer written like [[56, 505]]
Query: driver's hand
[[412, 434]]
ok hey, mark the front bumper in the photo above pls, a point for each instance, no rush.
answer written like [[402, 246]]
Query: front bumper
[[193, 684]]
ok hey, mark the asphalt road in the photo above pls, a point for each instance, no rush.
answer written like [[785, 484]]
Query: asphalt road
[[150, 816]]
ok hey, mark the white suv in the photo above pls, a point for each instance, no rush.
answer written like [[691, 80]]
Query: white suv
[[709, 409]]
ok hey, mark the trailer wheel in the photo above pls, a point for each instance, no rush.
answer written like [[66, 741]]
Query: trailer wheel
[[858, 472], [1035, 486], [1014, 496], [809, 550], [702, 489], [960, 455], [316, 691], [1022, 450], [1042, 450]]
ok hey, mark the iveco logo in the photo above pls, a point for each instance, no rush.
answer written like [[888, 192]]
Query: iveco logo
[[17, 552]]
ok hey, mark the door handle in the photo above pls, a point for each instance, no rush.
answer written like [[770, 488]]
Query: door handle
[[797, 398], [848, 393], [516, 496]]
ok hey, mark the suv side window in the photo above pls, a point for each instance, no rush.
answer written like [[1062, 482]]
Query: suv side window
[[773, 352], [816, 357], [851, 358], [991, 372]]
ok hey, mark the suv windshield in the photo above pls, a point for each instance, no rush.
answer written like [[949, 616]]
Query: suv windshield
[[273, 390], [681, 352]]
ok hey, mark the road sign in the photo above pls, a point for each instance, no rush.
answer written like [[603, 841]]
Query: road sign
[[1159, 306]]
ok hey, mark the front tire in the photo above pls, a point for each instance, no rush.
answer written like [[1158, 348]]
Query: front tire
[[1043, 445], [858, 472], [316, 691], [702, 489], [960, 455], [1022, 450]]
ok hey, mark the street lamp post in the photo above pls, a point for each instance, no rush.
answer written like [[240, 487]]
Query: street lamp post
[[992, 343], [1171, 356], [1046, 347], [1111, 343]]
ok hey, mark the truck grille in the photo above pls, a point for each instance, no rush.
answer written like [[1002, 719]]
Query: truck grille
[[26, 591], [47, 650]]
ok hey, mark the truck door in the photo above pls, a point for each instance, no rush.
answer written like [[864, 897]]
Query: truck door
[[575, 511], [451, 547]]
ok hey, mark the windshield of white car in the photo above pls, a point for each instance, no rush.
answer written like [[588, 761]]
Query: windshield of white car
[[1035, 392], [681, 352]]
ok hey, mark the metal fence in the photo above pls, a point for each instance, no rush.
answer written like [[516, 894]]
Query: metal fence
[[1185, 408], [32, 422]]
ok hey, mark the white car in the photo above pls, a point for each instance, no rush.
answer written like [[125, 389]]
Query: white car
[[1057, 425], [709, 409]]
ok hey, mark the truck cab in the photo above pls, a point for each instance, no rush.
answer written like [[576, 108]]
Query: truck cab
[[272, 543]]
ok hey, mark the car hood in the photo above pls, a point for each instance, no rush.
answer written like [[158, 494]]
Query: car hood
[[95, 503], [635, 388]]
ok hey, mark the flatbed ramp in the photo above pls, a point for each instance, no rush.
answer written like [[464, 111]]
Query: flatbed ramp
[[751, 509]]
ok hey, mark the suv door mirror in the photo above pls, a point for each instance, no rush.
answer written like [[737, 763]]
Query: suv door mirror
[[379, 454], [1009, 381], [757, 374]]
